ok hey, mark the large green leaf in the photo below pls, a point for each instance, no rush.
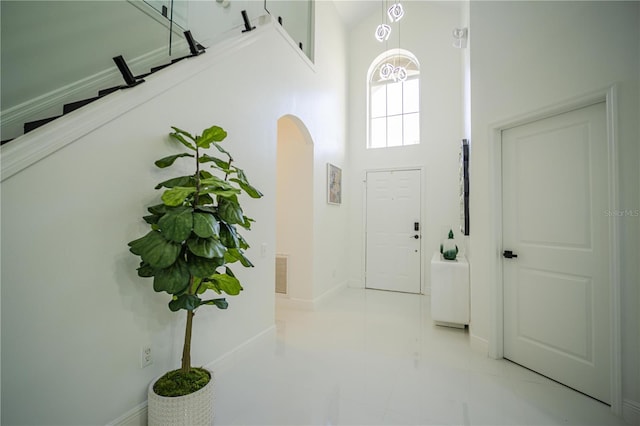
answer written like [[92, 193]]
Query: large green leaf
[[228, 235], [242, 243], [179, 135], [222, 192], [205, 174], [206, 247], [246, 222], [215, 185], [205, 225], [229, 210], [227, 283], [242, 180], [208, 284], [188, 302], [204, 199], [214, 182], [179, 131], [234, 255], [173, 279], [212, 134], [158, 209], [220, 303], [145, 270], [177, 181], [222, 150], [202, 267], [220, 164], [208, 209], [176, 225], [155, 250], [167, 161], [151, 219], [176, 196], [250, 190]]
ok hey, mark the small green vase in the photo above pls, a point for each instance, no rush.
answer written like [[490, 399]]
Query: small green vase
[[448, 248]]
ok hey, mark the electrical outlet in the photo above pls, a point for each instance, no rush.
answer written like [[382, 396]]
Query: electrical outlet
[[146, 357]]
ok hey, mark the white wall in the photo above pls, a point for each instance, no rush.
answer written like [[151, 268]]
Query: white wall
[[74, 312], [426, 31], [530, 55], [330, 146]]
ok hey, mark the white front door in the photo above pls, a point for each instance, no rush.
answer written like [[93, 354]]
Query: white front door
[[557, 291], [393, 231]]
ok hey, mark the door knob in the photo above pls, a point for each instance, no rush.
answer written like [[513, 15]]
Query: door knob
[[415, 236], [509, 254]]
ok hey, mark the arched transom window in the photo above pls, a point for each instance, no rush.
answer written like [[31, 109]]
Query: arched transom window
[[394, 100]]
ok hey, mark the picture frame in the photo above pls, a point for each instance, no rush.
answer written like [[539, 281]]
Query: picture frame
[[334, 184]]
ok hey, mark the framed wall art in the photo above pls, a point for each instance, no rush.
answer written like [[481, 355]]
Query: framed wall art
[[464, 187], [334, 184]]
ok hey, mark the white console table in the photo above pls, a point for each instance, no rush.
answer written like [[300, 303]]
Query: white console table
[[450, 291]]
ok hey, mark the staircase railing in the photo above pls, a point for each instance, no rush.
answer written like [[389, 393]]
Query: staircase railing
[[59, 56]]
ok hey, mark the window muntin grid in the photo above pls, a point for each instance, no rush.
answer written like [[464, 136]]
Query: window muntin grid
[[394, 106]]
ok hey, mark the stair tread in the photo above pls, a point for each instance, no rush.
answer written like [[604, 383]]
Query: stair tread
[[108, 90], [159, 67], [32, 125], [72, 106]]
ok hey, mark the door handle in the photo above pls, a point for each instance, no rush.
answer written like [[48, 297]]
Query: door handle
[[415, 236], [509, 254]]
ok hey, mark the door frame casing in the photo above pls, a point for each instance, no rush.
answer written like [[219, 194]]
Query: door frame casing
[[608, 95], [364, 219]]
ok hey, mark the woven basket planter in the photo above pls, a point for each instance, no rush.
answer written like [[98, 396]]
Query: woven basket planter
[[193, 409]]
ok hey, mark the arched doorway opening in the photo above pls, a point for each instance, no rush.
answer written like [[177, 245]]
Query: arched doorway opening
[[294, 211]]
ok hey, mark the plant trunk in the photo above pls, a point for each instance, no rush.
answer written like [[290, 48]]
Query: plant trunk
[[186, 350]]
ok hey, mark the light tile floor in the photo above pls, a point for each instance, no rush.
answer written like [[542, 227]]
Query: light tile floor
[[368, 357]]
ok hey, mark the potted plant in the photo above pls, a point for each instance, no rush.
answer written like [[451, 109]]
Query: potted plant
[[187, 252]]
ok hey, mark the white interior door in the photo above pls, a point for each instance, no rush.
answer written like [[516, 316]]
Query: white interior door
[[393, 246], [556, 291]]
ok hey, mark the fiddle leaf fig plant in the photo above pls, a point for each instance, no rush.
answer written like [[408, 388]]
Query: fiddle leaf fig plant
[[194, 230]]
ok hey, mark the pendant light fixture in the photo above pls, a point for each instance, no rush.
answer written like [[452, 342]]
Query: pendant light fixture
[[390, 71], [395, 12], [383, 32]]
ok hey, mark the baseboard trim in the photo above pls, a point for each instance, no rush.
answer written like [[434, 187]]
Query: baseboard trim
[[137, 416], [327, 295], [631, 412], [228, 358], [283, 301], [355, 283], [308, 304], [478, 343]]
